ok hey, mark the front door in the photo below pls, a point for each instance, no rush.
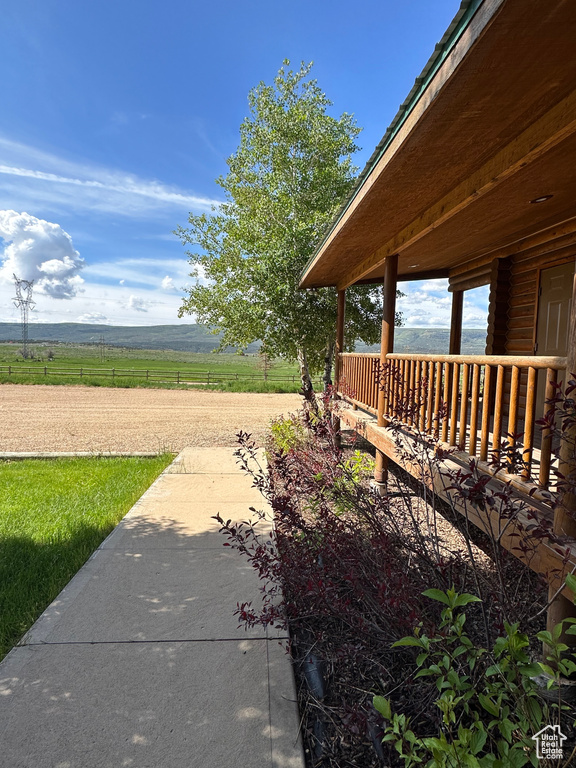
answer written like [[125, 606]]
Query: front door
[[554, 305]]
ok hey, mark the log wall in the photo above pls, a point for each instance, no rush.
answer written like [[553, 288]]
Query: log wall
[[523, 293]]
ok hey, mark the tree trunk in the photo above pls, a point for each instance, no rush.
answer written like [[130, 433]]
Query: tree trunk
[[307, 387], [328, 361]]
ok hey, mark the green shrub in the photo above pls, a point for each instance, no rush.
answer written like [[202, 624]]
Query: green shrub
[[287, 433], [489, 701]]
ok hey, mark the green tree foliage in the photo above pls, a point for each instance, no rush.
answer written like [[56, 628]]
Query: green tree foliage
[[291, 172]]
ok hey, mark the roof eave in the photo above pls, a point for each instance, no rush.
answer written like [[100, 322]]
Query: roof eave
[[453, 34]]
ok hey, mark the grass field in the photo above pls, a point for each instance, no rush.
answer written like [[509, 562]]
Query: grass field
[[67, 364], [141, 359], [53, 515]]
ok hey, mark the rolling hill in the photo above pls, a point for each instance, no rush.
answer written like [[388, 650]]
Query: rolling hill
[[432, 341], [196, 338], [187, 338]]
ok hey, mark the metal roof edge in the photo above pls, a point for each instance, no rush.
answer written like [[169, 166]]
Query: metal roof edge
[[442, 49]]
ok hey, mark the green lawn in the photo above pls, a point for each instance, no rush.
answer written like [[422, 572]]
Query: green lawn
[[53, 515]]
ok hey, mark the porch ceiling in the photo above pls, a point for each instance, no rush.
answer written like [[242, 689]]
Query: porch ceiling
[[494, 129]]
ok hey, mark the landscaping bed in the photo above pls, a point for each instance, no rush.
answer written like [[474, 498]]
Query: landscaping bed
[[395, 600]]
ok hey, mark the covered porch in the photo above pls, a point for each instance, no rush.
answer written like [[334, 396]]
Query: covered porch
[[473, 183], [497, 413]]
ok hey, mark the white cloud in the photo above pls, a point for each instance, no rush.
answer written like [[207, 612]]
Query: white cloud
[[438, 284], [168, 284], [419, 296], [117, 182], [92, 317], [33, 177], [428, 304], [138, 303], [41, 251], [139, 271], [474, 318], [110, 300]]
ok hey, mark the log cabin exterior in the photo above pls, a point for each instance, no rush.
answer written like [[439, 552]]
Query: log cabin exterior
[[474, 181]]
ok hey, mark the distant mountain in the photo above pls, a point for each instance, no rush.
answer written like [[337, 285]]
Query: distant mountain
[[183, 338], [196, 338], [432, 341]]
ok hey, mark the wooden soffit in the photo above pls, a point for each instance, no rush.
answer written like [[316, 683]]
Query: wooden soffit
[[494, 130]]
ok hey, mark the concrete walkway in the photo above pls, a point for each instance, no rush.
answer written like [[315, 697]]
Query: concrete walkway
[[139, 662]]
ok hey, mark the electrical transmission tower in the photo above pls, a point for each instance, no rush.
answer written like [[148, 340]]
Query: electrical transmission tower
[[23, 300]]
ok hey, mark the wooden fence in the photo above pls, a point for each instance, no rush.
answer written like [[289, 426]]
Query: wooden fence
[[178, 377]]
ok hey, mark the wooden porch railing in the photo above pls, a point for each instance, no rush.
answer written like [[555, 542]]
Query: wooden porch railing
[[359, 379], [473, 402]]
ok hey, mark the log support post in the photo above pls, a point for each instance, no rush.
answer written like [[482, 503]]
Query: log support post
[[500, 282], [340, 320], [339, 336], [386, 347], [455, 346], [456, 323], [565, 513]]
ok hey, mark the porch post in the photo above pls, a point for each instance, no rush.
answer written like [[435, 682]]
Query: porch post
[[565, 512], [337, 362], [386, 347], [456, 323], [500, 283], [339, 335]]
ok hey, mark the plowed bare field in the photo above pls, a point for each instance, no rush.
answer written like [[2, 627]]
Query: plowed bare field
[[62, 418]]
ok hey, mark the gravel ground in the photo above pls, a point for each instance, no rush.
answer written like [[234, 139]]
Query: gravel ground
[[75, 418]]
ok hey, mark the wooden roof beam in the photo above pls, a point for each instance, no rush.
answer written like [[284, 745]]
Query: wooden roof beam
[[545, 133], [429, 274]]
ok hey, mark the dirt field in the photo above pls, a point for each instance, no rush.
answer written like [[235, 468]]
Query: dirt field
[[62, 418]]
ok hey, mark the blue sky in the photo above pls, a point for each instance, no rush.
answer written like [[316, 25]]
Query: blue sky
[[118, 116]]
